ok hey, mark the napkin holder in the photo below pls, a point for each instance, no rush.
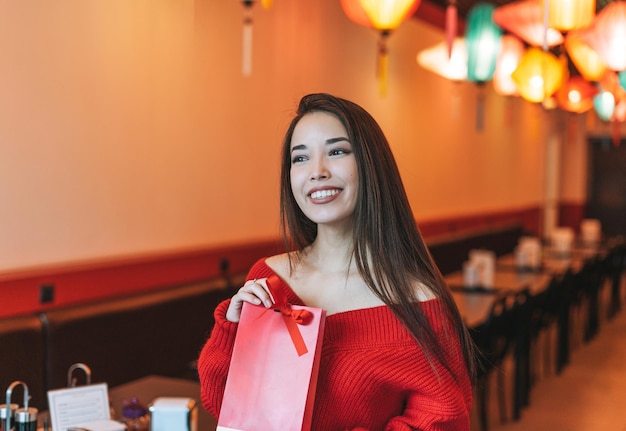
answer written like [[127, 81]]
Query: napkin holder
[[173, 413]]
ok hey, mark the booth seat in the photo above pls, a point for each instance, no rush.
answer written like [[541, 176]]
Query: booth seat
[[450, 251], [121, 339], [22, 358]]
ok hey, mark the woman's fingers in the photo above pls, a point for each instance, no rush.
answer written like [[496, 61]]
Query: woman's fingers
[[257, 288], [254, 292]]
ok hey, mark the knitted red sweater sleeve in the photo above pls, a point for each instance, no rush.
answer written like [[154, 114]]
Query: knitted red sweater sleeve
[[214, 360]]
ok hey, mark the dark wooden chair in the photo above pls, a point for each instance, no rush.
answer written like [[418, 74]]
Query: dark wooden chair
[[503, 333]]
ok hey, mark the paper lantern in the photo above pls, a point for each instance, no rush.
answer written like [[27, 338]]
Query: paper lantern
[[607, 35], [604, 105], [483, 39], [619, 114], [568, 15], [576, 95], [436, 60], [621, 77], [510, 55], [452, 18], [539, 74], [385, 16], [524, 19], [586, 60], [355, 12], [610, 82]]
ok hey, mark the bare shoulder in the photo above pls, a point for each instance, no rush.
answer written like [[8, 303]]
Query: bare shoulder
[[279, 263]]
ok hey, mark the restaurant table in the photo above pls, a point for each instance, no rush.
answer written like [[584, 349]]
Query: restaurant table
[[150, 387]]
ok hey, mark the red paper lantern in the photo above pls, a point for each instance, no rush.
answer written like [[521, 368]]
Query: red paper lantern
[[607, 35], [524, 18]]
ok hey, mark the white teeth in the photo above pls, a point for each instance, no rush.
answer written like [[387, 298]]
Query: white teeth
[[323, 194]]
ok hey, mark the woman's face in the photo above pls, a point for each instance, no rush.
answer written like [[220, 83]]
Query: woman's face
[[324, 178]]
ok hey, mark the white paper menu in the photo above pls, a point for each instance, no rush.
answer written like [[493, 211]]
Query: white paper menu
[[70, 407]]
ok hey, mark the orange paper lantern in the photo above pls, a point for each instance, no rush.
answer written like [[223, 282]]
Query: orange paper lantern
[[576, 95], [539, 74], [568, 15], [385, 16], [524, 18], [586, 60]]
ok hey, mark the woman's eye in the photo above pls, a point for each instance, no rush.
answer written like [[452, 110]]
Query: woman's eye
[[297, 159], [339, 151]]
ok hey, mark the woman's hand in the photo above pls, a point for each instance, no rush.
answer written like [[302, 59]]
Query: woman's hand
[[255, 292]]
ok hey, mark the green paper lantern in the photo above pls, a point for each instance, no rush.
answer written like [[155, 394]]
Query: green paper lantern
[[483, 38], [604, 105]]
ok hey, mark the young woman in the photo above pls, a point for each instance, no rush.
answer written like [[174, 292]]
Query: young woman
[[395, 355]]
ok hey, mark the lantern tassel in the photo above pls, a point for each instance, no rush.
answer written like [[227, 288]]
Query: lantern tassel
[[246, 64], [480, 107], [383, 63]]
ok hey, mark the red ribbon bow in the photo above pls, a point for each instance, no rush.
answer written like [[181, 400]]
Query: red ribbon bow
[[291, 317]]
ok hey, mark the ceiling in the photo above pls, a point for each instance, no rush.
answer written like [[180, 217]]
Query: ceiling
[[465, 5]]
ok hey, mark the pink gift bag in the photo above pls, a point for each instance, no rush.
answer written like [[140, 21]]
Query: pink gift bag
[[274, 366]]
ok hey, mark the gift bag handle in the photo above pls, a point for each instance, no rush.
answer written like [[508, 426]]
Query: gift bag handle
[[292, 318], [71, 380]]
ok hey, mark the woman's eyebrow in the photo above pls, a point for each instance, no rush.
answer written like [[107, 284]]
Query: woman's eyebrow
[[335, 140], [327, 142]]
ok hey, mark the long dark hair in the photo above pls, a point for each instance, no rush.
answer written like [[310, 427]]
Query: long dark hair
[[389, 250]]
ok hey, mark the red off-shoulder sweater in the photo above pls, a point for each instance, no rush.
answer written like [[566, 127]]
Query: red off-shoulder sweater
[[373, 376]]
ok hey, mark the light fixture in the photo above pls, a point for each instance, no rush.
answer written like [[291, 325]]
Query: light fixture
[[452, 18], [604, 105], [539, 74], [483, 39], [607, 35], [436, 59], [524, 18], [585, 58], [576, 95], [566, 15], [385, 16], [508, 59], [355, 12]]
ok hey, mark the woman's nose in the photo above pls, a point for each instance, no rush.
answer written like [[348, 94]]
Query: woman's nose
[[319, 170]]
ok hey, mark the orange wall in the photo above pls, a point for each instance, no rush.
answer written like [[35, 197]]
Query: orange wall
[[127, 128]]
